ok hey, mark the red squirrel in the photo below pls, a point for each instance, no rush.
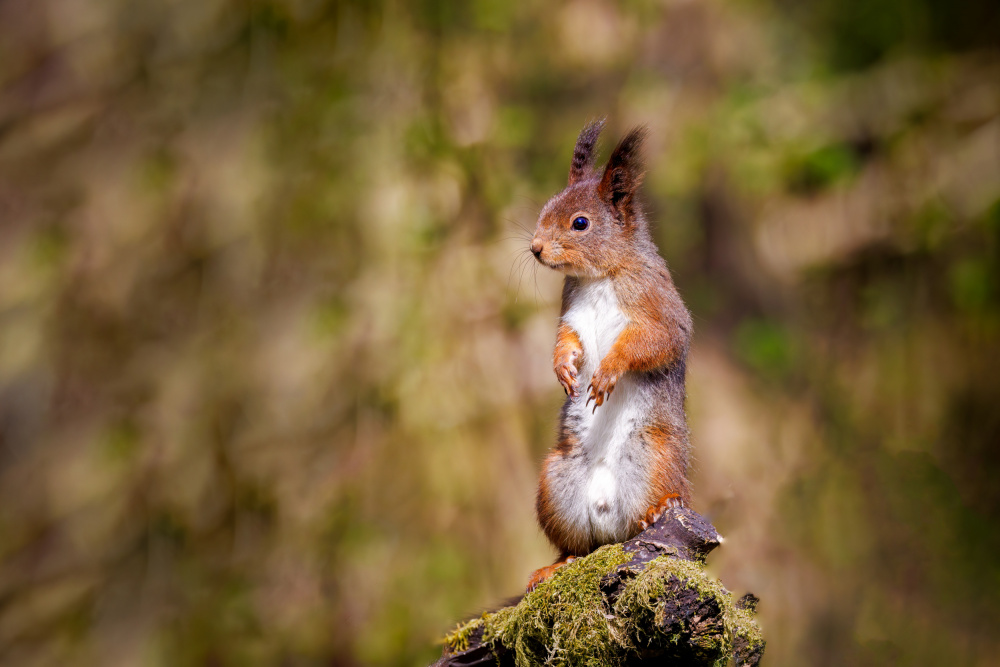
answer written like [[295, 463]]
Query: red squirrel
[[622, 451]]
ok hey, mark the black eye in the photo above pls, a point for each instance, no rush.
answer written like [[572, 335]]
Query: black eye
[[581, 223]]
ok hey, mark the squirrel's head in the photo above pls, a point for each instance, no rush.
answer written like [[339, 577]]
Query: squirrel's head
[[586, 229]]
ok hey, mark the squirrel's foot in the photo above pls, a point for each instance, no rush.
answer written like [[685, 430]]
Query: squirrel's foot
[[656, 511], [543, 573]]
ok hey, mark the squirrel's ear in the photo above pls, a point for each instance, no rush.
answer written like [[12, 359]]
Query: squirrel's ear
[[583, 154], [623, 173]]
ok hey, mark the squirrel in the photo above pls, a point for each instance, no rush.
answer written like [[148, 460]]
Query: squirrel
[[624, 334]]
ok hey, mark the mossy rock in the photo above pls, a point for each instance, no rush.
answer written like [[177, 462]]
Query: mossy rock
[[624, 604]]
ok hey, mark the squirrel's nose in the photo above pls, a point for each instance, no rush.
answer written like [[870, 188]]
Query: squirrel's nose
[[536, 247]]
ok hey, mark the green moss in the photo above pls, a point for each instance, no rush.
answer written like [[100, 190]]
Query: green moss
[[458, 640], [566, 620], [742, 623], [563, 621], [645, 596], [641, 604]]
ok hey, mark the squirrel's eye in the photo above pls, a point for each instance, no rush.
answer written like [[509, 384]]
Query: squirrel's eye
[[581, 223]]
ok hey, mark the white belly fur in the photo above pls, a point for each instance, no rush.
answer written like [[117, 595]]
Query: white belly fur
[[609, 475]]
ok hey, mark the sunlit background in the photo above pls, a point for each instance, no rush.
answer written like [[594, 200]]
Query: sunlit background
[[275, 374]]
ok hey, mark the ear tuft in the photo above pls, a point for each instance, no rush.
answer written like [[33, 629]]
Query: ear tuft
[[583, 154], [623, 173]]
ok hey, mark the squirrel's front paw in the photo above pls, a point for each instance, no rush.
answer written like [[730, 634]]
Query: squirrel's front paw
[[601, 385], [566, 372], [567, 378]]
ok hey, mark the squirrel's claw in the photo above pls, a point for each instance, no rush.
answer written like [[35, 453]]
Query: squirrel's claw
[[654, 512], [543, 573], [594, 396], [567, 375], [601, 386]]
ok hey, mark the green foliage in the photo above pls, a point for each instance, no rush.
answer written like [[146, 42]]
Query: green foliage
[[856, 34], [821, 168], [767, 347]]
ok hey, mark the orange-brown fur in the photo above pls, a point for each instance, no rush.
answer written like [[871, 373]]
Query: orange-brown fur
[[612, 261]]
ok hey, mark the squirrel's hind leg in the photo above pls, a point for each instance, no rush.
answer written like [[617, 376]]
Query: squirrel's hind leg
[[657, 510], [543, 573]]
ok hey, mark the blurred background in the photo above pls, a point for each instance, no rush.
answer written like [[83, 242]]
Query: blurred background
[[275, 375]]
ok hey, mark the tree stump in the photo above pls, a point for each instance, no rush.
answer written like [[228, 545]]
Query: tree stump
[[644, 601]]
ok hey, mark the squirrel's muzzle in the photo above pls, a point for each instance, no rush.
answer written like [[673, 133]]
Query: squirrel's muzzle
[[536, 248]]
